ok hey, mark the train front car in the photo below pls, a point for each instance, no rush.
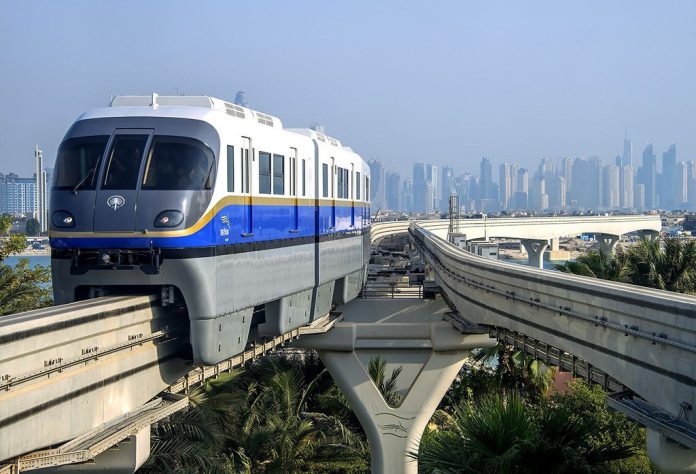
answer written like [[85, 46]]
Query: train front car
[[214, 208]]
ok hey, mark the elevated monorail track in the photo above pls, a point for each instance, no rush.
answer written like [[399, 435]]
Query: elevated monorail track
[[96, 372]]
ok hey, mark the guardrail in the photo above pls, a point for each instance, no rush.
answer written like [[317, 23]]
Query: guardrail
[[391, 290]]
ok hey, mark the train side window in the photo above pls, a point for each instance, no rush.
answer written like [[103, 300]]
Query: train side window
[[367, 188], [357, 185], [230, 168], [264, 172], [325, 179], [345, 183], [304, 188], [278, 174], [339, 184]]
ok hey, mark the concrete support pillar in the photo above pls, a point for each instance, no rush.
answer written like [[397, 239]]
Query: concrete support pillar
[[648, 234], [607, 242], [535, 250], [669, 456], [555, 244], [430, 355]]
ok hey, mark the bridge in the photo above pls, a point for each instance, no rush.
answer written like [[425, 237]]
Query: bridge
[[93, 368]]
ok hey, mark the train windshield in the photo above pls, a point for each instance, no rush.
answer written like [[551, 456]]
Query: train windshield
[[177, 163], [123, 166], [78, 161]]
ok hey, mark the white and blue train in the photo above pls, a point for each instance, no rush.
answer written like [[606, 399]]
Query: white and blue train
[[214, 206]]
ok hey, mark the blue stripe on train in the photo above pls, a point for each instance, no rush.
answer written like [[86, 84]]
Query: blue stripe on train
[[269, 223]]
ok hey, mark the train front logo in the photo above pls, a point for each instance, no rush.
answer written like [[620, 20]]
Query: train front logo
[[115, 202]]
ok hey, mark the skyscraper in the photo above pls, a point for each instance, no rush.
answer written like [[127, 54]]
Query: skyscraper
[[447, 186], [425, 186], [41, 199], [681, 186], [627, 157], [420, 183], [486, 180], [648, 175], [669, 188], [393, 191], [505, 185], [610, 185], [407, 195], [377, 185], [626, 187]]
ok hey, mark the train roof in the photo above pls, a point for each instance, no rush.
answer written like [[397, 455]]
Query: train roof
[[206, 102], [197, 106]]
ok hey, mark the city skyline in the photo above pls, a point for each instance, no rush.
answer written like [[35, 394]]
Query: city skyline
[[562, 184], [515, 83]]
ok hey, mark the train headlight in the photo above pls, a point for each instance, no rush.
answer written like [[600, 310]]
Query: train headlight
[[63, 219], [169, 219]]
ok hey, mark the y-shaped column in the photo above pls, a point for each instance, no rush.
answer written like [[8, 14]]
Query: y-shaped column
[[607, 243], [535, 251], [430, 354]]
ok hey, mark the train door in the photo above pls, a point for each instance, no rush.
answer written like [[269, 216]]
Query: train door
[[247, 210], [332, 178], [293, 191], [117, 194]]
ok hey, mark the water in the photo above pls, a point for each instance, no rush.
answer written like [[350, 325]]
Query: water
[[34, 260]]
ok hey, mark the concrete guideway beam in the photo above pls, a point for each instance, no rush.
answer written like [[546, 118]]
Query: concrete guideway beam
[[535, 251], [430, 354]]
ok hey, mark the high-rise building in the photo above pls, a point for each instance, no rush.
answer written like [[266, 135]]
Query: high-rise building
[[505, 185], [425, 186], [681, 186], [567, 172], [377, 185], [407, 195], [558, 200], [669, 188], [626, 187], [434, 194], [18, 195], [639, 196], [447, 186], [522, 192], [393, 191], [41, 213], [420, 183], [627, 157], [647, 176], [587, 183], [486, 180], [610, 185]]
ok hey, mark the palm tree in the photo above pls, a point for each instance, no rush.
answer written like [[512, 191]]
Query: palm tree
[[517, 370], [602, 265], [501, 435], [670, 267], [376, 367]]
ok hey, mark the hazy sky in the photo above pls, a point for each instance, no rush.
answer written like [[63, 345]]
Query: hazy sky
[[444, 82]]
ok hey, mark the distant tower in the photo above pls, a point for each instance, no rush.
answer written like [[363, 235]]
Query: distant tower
[[41, 210], [240, 99], [317, 127]]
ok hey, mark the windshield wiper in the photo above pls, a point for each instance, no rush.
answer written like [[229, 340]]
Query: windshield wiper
[[82, 181]]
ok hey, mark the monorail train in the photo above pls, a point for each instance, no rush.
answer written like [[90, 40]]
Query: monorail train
[[211, 205]]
